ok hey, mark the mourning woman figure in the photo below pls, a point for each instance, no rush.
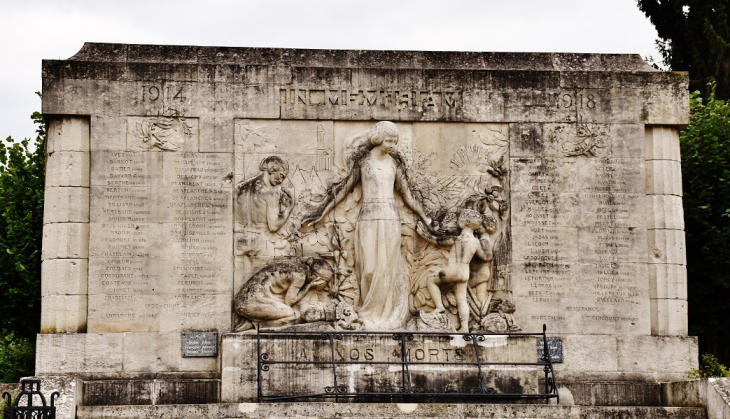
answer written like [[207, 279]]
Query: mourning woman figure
[[383, 281], [262, 201]]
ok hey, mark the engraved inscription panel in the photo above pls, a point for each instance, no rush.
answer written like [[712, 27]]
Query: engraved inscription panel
[[579, 235], [160, 248]]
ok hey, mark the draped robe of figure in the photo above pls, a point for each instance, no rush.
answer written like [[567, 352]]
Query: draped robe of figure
[[383, 281], [384, 284]]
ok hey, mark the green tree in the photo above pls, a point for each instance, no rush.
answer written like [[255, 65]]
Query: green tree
[[17, 358], [22, 175], [693, 36], [705, 146]]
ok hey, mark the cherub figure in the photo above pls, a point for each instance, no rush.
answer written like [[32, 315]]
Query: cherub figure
[[463, 249], [481, 270]]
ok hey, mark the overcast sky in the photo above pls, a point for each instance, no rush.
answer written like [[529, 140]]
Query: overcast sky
[[56, 29]]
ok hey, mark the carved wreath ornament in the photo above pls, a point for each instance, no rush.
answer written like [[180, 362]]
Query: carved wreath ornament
[[585, 143], [155, 131]]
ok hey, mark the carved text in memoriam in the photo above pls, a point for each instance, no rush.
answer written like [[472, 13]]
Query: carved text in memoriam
[[423, 100]]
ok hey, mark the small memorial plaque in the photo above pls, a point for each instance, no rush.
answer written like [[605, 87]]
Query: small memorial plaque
[[198, 344], [555, 348]]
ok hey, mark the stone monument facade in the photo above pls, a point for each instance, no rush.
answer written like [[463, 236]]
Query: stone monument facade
[[194, 194]]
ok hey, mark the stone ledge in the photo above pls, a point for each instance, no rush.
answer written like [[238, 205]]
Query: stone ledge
[[381, 410], [189, 54]]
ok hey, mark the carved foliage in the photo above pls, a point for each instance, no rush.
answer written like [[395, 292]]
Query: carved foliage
[[160, 131]]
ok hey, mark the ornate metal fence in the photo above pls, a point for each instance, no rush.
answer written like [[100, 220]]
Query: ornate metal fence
[[29, 389], [398, 380]]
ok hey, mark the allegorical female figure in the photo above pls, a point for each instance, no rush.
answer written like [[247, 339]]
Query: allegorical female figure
[[383, 282]]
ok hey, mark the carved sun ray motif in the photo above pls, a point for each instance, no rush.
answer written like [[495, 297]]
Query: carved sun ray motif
[[470, 157], [456, 188]]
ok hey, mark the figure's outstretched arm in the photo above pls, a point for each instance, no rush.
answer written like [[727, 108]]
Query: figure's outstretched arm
[[403, 186], [335, 194], [431, 238]]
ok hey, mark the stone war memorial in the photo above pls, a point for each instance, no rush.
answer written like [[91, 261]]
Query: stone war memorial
[[230, 229]]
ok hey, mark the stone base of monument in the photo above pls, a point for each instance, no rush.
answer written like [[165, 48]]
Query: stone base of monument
[[383, 410], [371, 367], [597, 370]]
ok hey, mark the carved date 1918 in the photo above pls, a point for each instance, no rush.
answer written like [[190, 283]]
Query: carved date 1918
[[577, 100]]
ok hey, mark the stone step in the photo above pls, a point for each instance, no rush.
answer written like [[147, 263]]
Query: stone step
[[383, 410]]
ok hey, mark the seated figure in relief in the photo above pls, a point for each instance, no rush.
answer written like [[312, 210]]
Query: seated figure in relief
[[263, 202], [464, 248], [270, 296]]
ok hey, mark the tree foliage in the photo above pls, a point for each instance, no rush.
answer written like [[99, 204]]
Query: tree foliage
[[693, 36], [22, 173], [17, 358], [705, 146], [709, 367]]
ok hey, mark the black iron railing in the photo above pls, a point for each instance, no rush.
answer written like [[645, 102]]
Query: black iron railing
[[29, 389], [470, 369]]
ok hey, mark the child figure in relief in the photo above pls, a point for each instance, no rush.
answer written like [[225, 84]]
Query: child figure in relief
[[482, 269], [464, 247]]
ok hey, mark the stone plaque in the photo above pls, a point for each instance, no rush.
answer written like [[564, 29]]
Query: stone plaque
[[199, 344], [555, 348]]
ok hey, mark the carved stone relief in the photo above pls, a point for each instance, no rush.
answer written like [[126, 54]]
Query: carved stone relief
[[165, 132], [377, 226]]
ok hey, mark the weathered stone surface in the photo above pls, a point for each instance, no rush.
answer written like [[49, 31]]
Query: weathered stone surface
[[67, 168], [673, 355], [662, 143], [663, 177], [385, 410], [68, 389], [66, 241], [358, 374], [106, 393], [667, 246], [64, 277], [149, 392], [66, 205], [710, 393], [108, 133], [665, 212], [63, 313], [668, 281], [669, 316], [118, 355], [614, 393], [68, 134]]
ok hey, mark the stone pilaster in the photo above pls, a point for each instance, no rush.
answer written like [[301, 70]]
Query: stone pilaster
[[66, 227], [665, 228]]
